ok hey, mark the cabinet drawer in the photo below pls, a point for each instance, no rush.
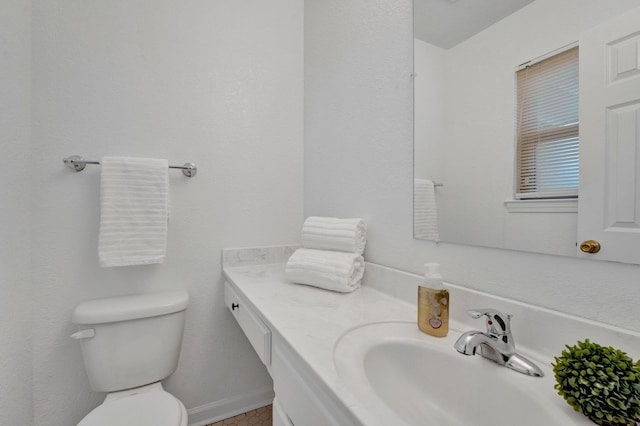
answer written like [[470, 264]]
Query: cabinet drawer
[[256, 331]]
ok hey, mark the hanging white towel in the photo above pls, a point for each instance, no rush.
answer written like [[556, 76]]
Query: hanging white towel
[[331, 270], [425, 213], [330, 233], [134, 208]]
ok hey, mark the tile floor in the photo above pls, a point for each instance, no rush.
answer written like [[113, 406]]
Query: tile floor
[[257, 417]]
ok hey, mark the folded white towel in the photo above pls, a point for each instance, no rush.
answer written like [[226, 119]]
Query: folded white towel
[[331, 270], [134, 198], [330, 233], [425, 213]]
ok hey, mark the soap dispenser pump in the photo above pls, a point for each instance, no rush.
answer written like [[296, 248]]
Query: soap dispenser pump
[[433, 303]]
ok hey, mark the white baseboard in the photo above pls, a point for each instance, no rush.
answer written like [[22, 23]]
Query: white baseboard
[[229, 407]]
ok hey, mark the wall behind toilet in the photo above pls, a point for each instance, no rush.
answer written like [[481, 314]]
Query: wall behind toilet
[[217, 83], [359, 162], [15, 288]]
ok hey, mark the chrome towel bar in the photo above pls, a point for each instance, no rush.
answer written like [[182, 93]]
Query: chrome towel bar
[[77, 164]]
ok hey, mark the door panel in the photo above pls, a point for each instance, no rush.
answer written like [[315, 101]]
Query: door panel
[[609, 197]]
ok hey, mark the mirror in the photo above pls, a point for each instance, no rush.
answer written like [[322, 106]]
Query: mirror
[[466, 53]]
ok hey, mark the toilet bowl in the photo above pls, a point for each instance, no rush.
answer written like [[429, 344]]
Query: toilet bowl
[[148, 405], [129, 344]]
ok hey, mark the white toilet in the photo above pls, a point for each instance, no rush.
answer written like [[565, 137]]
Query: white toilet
[[129, 344]]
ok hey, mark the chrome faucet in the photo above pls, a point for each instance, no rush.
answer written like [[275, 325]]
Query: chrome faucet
[[496, 344]]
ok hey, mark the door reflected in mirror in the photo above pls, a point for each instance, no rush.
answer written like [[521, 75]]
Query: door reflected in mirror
[[465, 119]]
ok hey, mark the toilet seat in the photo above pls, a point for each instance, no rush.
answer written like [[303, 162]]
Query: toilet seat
[[154, 408]]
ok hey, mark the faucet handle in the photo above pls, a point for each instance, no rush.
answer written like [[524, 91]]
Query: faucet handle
[[497, 322]]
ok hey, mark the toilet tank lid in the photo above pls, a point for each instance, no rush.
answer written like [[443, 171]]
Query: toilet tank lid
[[135, 306]]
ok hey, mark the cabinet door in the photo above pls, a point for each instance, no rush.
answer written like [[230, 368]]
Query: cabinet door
[[280, 418], [300, 394], [609, 197]]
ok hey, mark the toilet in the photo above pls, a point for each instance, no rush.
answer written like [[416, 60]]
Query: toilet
[[129, 344]]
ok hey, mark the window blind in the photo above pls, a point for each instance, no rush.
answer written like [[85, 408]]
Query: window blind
[[548, 127]]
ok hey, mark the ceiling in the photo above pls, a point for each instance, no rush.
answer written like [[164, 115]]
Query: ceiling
[[445, 23]]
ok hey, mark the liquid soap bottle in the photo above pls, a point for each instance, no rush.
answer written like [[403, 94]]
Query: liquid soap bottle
[[433, 303]]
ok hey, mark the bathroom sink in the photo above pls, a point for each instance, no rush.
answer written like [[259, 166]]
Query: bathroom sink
[[399, 376]]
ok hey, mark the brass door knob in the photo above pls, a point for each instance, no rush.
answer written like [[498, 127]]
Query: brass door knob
[[590, 246]]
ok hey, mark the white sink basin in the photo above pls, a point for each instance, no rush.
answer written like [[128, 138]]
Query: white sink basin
[[402, 376]]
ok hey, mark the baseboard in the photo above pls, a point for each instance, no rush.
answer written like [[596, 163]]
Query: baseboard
[[229, 407]]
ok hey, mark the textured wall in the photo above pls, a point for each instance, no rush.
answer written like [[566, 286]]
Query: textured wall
[[15, 290], [358, 162], [430, 95], [217, 83]]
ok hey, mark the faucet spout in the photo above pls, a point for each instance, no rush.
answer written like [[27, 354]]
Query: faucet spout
[[489, 346], [496, 344]]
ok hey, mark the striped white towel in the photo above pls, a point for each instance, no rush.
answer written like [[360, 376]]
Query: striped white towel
[[425, 213], [331, 270], [330, 233], [134, 206]]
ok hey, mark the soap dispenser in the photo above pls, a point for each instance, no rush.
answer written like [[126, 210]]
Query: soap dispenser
[[433, 303]]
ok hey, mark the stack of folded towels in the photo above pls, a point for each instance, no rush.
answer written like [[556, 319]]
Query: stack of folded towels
[[331, 254]]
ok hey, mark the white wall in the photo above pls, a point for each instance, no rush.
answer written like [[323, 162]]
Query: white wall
[[358, 162], [217, 83], [15, 290], [430, 97]]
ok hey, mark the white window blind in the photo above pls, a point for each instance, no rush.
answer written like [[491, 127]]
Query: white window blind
[[547, 127]]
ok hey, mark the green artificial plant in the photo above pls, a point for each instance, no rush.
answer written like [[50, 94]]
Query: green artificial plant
[[601, 382]]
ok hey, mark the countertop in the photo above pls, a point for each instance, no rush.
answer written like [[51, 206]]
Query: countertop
[[311, 320]]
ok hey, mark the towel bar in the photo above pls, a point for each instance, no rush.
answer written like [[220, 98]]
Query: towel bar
[[77, 164]]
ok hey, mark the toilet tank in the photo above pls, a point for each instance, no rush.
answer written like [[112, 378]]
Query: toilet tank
[[130, 341]]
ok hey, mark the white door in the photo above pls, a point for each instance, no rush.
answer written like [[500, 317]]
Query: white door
[[609, 197]]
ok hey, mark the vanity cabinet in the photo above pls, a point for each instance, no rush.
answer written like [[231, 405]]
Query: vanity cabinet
[[301, 398], [302, 395], [342, 359], [280, 418]]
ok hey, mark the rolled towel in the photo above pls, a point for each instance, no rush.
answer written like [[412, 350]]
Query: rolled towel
[[331, 270], [330, 233]]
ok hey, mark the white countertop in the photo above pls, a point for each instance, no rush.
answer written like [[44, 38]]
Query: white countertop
[[311, 320]]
